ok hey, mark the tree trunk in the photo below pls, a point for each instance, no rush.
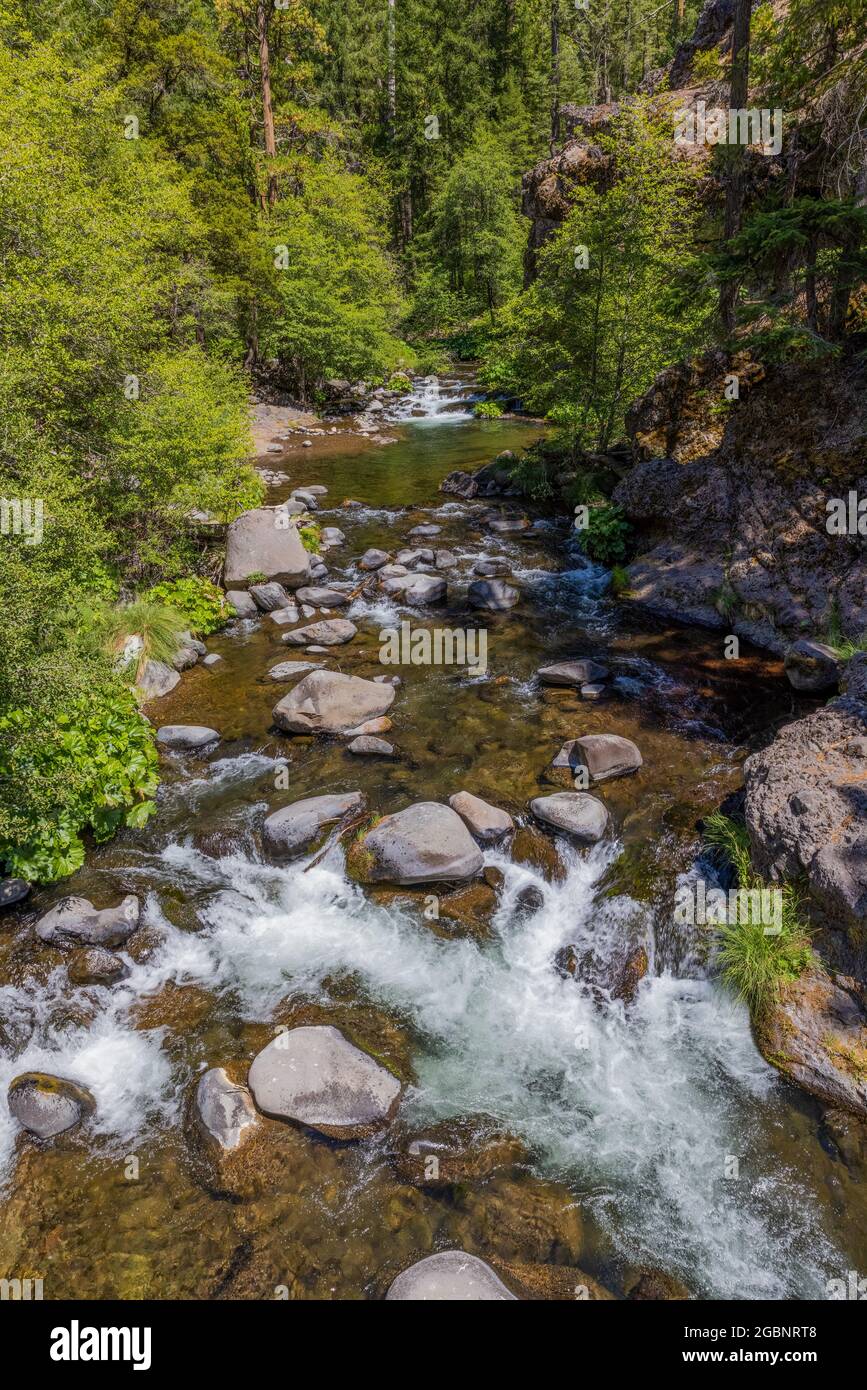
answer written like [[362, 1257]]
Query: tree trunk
[[810, 285], [735, 182], [267, 106], [555, 73], [392, 77]]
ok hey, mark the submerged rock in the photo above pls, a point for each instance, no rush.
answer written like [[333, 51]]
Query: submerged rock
[[76, 921], [493, 565], [48, 1105], [291, 829], [576, 813], [457, 1151], [186, 736], [290, 670], [314, 1076], [156, 679], [225, 1109], [366, 745], [426, 843], [330, 702], [451, 1276], [495, 595], [95, 966], [488, 823]]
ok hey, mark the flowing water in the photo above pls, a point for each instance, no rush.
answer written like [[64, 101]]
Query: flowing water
[[655, 1134]]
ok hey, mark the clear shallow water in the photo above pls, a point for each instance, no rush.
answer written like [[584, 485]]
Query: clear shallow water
[[631, 1117]]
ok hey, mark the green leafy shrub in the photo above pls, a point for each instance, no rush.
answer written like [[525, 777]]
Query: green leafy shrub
[[620, 582], [754, 963], [605, 536], [202, 603], [310, 537], [90, 767], [488, 410]]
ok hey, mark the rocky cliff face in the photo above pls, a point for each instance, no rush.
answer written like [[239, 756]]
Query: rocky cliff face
[[735, 501]]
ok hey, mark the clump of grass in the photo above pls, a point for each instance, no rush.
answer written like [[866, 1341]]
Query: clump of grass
[[620, 585], [841, 646], [754, 964], [310, 537], [158, 625]]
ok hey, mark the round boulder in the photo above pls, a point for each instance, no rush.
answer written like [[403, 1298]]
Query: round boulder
[[95, 966], [486, 822], [333, 632], [573, 673], [493, 594], [426, 843], [332, 703], [291, 829], [225, 1109], [575, 813], [451, 1276], [48, 1105], [313, 1076], [605, 756], [75, 921], [186, 737]]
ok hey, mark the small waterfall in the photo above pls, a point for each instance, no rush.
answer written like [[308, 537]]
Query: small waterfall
[[438, 400]]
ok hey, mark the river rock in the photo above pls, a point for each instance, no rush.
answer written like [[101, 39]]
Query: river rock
[[806, 808], [185, 657], [488, 823], [503, 526], [575, 673], [371, 726], [812, 666], [331, 632], [413, 559], [425, 588], [603, 755], [265, 541], [457, 1151], [445, 560], [366, 745], [815, 1032], [322, 596], [225, 1109], [75, 921], [576, 813], [291, 829], [289, 670], [186, 736], [330, 702], [243, 604], [211, 660], [48, 1105], [282, 617], [95, 966], [392, 572], [269, 597], [12, 891], [426, 843], [332, 535], [314, 1076], [853, 681], [492, 566], [156, 679], [450, 1276], [373, 559], [425, 530], [493, 594], [308, 498]]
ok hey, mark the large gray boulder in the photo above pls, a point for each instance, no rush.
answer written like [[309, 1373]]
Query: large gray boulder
[[313, 1076], [265, 541], [450, 1276], [332, 703], [495, 595], [488, 823], [813, 1031], [75, 921], [48, 1105], [572, 673], [806, 808], [225, 1109], [331, 632], [186, 737], [575, 813], [426, 843], [291, 829]]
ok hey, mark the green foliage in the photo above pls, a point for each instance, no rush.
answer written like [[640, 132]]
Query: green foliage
[[91, 766], [754, 962], [585, 341], [201, 603], [159, 626], [620, 581], [605, 537], [310, 537], [488, 410]]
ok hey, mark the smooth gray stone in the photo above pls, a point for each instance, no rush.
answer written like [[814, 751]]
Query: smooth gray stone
[[314, 1076], [75, 921], [186, 736], [450, 1276], [576, 813], [47, 1105], [291, 829], [225, 1108]]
